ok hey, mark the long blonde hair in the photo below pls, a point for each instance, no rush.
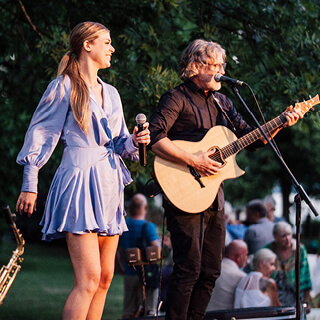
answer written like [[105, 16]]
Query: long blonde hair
[[69, 65]]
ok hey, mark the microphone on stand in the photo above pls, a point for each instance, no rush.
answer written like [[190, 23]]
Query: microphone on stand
[[220, 78], [141, 120]]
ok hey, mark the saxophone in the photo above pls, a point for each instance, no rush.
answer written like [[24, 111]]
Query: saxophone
[[9, 272]]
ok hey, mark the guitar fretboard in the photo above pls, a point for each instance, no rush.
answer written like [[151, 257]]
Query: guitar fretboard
[[252, 136]]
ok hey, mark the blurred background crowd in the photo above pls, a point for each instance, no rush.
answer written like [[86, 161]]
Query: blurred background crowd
[[258, 268]]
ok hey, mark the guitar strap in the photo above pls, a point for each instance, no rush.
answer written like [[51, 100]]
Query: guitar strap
[[217, 103]]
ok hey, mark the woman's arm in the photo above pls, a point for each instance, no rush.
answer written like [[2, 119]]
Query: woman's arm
[[41, 139]]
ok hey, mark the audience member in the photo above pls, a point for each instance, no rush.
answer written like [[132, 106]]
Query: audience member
[[235, 259], [234, 228], [270, 205], [257, 289], [132, 239], [285, 249], [259, 232]]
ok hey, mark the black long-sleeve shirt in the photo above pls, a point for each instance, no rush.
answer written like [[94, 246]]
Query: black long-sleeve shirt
[[187, 113]]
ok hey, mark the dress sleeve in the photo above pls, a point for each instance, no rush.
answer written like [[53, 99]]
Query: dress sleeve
[[43, 133], [123, 142], [164, 117]]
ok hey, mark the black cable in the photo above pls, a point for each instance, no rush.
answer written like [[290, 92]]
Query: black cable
[[264, 121], [161, 265]]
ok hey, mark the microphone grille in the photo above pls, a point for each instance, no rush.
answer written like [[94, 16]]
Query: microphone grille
[[217, 77], [141, 118]]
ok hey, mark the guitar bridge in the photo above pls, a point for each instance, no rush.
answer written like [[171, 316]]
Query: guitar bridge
[[196, 175]]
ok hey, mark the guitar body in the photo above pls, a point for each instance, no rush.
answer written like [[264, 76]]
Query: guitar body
[[183, 187], [180, 186]]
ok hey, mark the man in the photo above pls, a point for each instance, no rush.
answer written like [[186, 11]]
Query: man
[[270, 205], [223, 293], [187, 112], [259, 232], [131, 239]]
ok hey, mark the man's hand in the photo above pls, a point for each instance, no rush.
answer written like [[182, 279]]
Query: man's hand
[[26, 203], [205, 165], [292, 116], [141, 137]]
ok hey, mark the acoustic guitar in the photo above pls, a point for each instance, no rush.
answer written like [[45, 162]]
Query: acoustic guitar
[[191, 192]]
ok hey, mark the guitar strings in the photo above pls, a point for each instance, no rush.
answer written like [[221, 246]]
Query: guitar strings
[[254, 135], [239, 144]]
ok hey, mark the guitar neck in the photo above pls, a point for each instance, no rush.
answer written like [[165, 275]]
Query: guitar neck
[[252, 136]]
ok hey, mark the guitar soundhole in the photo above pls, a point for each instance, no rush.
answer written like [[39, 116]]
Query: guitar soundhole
[[217, 155]]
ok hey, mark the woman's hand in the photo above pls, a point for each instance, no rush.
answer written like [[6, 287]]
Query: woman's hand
[[26, 203], [205, 165], [141, 137], [292, 116]]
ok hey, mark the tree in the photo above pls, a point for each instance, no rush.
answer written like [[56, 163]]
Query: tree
[[274, 46]]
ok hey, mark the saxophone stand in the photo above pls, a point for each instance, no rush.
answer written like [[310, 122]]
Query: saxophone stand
[[9, 272], [300, 196]]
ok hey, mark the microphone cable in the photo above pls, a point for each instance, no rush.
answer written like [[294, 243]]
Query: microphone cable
[[264, 121]]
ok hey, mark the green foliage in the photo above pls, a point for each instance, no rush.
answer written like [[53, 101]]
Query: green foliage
[[44, 282], [272, 45]]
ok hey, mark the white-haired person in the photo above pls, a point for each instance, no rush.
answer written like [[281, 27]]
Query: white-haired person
[[85, 200], [257, 289], [284, 246], [187, 112]]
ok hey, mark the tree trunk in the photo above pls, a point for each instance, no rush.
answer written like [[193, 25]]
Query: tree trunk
[[286, 186]]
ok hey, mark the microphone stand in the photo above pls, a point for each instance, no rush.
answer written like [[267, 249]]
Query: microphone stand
[[300, 196]]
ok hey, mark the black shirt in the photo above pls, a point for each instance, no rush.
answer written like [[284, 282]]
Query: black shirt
[[187, 113]]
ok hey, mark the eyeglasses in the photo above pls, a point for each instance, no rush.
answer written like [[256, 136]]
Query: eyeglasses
[[217, 66]]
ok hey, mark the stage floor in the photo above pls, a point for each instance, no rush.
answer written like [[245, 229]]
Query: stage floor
[[265, 313]]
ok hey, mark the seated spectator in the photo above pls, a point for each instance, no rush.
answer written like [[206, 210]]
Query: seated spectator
[[131, 239], [259, 232], [223, 293], [270, 205], [257, 289], [285, 249]]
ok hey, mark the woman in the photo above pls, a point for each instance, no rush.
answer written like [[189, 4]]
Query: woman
[[85, 200], [285, 249], [257, 289]]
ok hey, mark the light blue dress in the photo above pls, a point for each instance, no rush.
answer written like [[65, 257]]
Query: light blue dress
[[86, 194]]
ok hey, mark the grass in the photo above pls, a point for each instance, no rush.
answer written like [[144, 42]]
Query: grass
[[44, 282]]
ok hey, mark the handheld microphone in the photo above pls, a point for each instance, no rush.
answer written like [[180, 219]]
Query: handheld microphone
[[141, 120], [219, 77]]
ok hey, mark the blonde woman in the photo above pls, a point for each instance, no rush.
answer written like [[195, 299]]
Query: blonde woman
[[256, 289], [85, 200]]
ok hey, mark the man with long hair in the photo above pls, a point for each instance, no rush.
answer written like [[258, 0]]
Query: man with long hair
[[187, 112]]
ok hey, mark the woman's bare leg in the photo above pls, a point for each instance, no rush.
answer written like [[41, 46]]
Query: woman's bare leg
[[108, 247], [85, 257]]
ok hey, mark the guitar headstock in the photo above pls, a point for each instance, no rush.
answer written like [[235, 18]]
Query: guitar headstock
[[305, 106]]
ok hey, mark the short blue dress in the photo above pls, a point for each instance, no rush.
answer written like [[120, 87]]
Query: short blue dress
[[86, 194]]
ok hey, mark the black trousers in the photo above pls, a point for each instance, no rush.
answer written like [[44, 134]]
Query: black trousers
[[198, 246]]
